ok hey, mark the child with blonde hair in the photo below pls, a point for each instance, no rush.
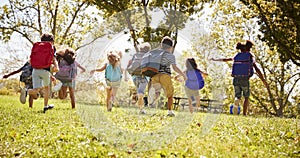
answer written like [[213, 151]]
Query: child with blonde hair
[[113, 76]]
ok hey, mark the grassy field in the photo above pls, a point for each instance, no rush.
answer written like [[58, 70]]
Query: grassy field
[[90, 131]]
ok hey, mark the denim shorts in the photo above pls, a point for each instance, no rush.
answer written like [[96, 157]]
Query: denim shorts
[[40, 78], [140, 83], [68, 83], [241, 87]]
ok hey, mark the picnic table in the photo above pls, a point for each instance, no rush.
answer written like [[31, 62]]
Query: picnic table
[[205, 104]]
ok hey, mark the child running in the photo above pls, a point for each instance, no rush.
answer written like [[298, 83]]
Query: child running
[[26, 78], [140, 81], [113, 76], [67, 73], [193, 83], [242, 70]]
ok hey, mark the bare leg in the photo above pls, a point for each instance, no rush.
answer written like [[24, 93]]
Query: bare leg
[[245, 106], [62, 93], [33, 92], [190, 105], [30, 101], [46, 95], [198, 102], [108, 98], [170, 102], [140, 101], [72, 97]]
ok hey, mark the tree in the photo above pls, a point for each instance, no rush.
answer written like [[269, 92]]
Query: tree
[[67, 20], [134, 16], [280, 25], [233, 23]]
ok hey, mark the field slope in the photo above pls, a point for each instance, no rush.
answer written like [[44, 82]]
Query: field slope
[[90, 131]]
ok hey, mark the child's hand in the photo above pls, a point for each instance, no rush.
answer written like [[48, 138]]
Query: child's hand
[[52, 78], [92, 72], [185, 77], [177, 78]]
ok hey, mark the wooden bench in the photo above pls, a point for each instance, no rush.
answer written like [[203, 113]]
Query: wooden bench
[[205, 104]]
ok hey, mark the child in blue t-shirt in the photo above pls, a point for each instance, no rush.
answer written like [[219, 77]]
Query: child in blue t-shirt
[[113, 76], [194, 83]]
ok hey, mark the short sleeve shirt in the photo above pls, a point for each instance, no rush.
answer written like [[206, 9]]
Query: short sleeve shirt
[[167, 60]]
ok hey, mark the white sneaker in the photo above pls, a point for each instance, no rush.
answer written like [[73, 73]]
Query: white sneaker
[[57, 86], [171, 114], [23, 95], [142, 112]]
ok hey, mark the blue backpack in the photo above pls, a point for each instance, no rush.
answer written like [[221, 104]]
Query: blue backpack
[[194, 80], [113, 74], [242, 65]]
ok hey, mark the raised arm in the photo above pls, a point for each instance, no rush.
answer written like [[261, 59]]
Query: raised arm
[[176, 69], [222, 59], [12, 73], [99, 70], [82, 68]]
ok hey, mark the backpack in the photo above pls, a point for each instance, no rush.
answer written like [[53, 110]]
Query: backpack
[[67, 72], [113, 74], [42, 54], [26, 75], [242, 65], [151, 62], [135, 67], [194, 80]]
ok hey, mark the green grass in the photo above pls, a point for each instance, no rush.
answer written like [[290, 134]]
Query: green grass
[[90, 131]]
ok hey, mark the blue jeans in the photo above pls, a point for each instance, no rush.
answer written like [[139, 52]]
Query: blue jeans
[[140, 83]]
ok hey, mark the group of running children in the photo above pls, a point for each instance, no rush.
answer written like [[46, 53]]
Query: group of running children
[[147, 67]]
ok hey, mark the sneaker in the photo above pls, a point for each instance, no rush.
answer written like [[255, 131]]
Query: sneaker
[[23, 95], [142, 112], [171, 114], [51, 106]]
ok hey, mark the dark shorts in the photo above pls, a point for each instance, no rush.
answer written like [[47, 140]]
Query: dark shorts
[[241, 87]]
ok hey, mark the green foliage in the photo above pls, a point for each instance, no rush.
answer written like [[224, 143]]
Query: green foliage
[[63, 132], [69, 21], [233, 23], [134, 15], [9, 87], [280, 25]]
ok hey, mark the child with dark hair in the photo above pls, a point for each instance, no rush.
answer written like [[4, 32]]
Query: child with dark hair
[[163, 79], [41, 74], [67, 63], [194, 83], [242, 70], [25, 77]]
